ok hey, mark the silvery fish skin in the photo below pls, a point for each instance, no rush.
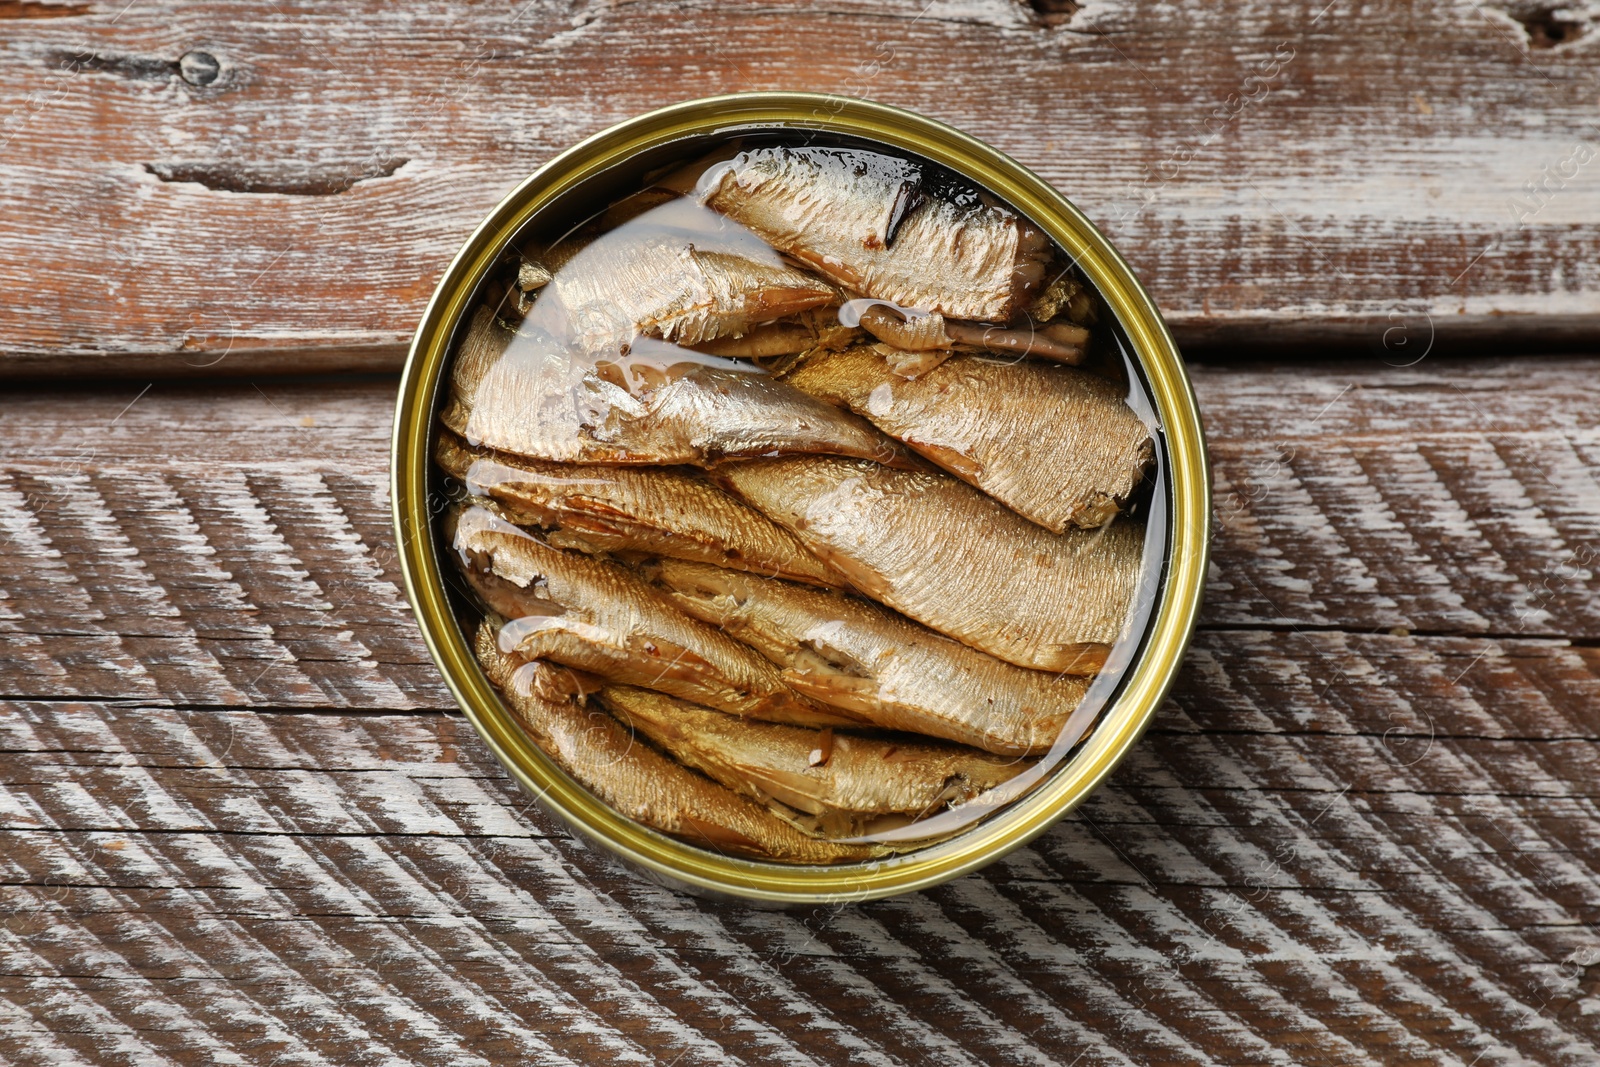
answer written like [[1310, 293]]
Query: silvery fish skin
[[638, 782], [529, 396], [950, 557], [1086, 448], [657, 265], [649, 510], [860, 219], [853, 654], [859, 775], [616, 290], [599, 617]]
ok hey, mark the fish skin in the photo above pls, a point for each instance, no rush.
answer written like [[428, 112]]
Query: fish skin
[[862, 775], [878, 663], [763, 342], [638, 782], [1086, 451], [526, 395], [865, 196], [906, 364], [952, 558], [921, 333], [599, 617], [1066, 298], [668, 268], [649, 510], [1057, 342], [828, 209], [618, 289], [789, 336], [921, 337]]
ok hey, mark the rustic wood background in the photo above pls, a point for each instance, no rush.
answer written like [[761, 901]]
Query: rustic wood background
[[240, 821]]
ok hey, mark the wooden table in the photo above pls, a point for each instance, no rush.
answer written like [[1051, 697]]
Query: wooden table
[[242, 821]]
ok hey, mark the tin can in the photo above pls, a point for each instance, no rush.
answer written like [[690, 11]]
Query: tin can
[[570, 185]]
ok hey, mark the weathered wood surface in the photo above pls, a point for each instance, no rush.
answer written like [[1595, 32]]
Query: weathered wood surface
[[241, 822], [278, 184]]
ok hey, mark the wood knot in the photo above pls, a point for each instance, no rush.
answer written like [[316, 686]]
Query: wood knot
[[1054, 12], [199, 68], [1544, 24]]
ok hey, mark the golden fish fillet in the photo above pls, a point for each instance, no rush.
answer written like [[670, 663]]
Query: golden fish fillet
[[650, 510], [912, 333], [763, 342], [1057, 342], [658, 265], [853, 654], [617, 290], [531, 277], [921, 335], [1064, 296], [638, 782], [1085, 448], [953, 559], [836, 776], [862, 219], [599, 617], [527, 395], [799, 333]]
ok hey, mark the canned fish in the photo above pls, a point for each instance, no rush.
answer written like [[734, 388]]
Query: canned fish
[[801, 498]]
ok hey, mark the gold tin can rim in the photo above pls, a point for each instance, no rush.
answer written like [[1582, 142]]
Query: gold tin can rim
[[1188, 486]]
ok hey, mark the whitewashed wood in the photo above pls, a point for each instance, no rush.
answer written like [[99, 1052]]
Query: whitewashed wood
[[241, 822], [1274, 172], [1287, 904]]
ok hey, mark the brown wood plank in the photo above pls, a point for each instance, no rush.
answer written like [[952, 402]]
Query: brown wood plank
[[1388, 174], [239, 819], [1225, 898], [230, 545]]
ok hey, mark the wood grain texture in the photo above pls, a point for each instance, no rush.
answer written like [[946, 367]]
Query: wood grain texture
[[242, 824], [243, 187]]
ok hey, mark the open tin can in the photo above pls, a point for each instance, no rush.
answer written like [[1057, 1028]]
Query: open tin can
[[1176, 503]]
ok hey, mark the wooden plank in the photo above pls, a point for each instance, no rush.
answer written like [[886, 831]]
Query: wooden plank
[[240, 820], [319, 881], [254, 186], [231, 546]]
